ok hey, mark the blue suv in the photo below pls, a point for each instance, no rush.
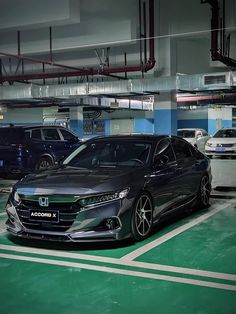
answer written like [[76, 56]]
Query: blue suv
[[29, 148]]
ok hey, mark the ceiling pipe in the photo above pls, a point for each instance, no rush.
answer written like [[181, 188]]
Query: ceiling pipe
[[92, 71], [205, 97], [216, 54]]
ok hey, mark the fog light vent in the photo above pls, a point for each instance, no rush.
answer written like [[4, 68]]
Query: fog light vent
[[112, 223]]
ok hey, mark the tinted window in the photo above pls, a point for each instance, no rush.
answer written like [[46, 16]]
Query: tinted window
[[36, 134], [51, 135], [181, 149], [67, 135], [196, 153], [164, 148]]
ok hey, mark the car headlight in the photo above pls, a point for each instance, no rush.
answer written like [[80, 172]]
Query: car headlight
[[16, 197], [103, 198]]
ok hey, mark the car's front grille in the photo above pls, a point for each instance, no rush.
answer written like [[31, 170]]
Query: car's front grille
[[67, 215]]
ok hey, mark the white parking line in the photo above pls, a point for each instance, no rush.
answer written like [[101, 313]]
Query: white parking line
[[117, 261], [2, 227], [121, 272], [3, 214], [149, 246]]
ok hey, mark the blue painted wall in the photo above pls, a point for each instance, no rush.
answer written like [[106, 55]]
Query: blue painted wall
[[165, 121], [143, 125], [212, 125], [193, 123], [77, 127]]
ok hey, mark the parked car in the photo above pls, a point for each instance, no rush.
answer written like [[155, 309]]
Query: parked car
[[197, 137], [110, 188], [24, 149], [223, 143]]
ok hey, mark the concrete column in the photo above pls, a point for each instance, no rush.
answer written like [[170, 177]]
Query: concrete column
[[76, 121], [165, 114], [219, 118]]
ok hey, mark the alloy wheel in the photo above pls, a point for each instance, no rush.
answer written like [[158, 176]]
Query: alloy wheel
[[143, 217], [205, 191]]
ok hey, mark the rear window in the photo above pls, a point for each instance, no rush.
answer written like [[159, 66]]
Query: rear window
[[12, 135], [186, 133]]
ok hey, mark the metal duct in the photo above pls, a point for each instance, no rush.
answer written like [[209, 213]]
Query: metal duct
[[185, 83]]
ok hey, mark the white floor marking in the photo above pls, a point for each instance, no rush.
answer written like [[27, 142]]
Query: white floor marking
[[3, 214], [121, 272], [2, 227], [116, 261], [149, 246]]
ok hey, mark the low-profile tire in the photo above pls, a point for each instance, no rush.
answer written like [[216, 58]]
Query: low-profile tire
[[44, 163], [142, 217], [204, 191]]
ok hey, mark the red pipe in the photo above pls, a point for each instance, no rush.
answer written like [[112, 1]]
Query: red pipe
[[205, 97], [215, 54], [89, 71]]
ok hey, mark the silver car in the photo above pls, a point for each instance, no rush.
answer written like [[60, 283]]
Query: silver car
[[196, 137], [223, 143]]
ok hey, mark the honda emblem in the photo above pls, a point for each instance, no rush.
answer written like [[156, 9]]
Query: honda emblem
[[43, 201]]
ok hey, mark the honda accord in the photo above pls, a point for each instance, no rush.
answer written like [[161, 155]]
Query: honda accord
[[110, 188]]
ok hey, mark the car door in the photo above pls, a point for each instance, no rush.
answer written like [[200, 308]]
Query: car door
[[164, 178], [53, 143], [187, 165]]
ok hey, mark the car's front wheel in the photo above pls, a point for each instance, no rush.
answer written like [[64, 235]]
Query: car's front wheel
[[142, 217], [203, 197], [44, 163]]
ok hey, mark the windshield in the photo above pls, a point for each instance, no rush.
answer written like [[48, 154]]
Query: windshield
[[226, 133], [110, 153], [186, 133]]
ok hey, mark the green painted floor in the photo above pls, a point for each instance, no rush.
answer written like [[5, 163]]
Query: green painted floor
[[193, 271]]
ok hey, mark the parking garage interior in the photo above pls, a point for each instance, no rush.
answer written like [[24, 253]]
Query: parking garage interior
[[103, 68]]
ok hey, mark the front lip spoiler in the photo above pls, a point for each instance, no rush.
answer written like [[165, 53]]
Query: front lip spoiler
[[65, 237]]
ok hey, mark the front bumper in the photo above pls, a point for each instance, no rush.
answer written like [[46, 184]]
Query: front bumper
[[218, 153], [101, 223]]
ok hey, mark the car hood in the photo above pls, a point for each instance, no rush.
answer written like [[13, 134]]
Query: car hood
[[70, 181], [222, 140]]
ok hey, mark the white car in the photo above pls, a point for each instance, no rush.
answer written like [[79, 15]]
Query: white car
[[223, 143], [197, 137]]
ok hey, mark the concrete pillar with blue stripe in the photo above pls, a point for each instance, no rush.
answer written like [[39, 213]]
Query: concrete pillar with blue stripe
[[76, 121], [219, 118], [165, 114]]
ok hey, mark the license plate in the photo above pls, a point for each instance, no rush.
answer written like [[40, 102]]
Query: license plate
[[1, 163], [220, 149], [44, 215]]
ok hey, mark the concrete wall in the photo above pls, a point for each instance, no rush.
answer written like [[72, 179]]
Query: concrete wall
[[22, 116]]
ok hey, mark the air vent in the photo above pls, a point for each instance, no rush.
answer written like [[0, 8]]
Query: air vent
[[214, 79]]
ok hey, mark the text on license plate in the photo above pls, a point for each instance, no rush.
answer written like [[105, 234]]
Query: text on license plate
[[220, 149], [44, 215]]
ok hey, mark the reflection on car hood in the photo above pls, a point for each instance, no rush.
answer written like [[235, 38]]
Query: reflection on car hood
[[72, 181], [222, 140]]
